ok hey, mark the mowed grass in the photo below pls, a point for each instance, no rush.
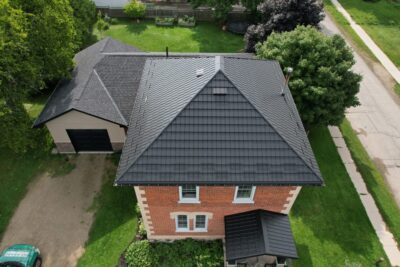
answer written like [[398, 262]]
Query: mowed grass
[[205, 37], [374, 179], [329, 223], [347, 30], [114, 226], [381, 20]]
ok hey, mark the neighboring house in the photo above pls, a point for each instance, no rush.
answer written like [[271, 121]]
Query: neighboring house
[[212, 144]]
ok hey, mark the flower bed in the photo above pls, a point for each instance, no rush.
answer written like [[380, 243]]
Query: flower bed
[[165, 21], [187, 21]]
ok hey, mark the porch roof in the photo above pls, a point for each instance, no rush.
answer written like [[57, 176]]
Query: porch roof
[[256, 233]]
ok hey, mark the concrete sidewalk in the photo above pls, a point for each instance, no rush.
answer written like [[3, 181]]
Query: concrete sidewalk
[[385, 237], [379, 54], [376, 120]]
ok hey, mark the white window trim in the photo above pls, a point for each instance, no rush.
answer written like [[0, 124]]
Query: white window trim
[[200, 229], [187, 223], [189, 200], [249, 200]]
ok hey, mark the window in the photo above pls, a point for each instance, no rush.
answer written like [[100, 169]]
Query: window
[[182, 223], [189, 194], [244, 194], [200, 223]]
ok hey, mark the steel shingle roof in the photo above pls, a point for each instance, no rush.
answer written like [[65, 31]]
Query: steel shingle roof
[[258, 232], [181, 133]]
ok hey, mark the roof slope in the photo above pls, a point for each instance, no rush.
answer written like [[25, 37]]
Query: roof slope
[[184, 133], [98, 72], [258, 232]]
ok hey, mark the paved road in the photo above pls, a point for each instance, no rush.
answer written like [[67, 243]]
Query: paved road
[[377, 120], [55, 216]]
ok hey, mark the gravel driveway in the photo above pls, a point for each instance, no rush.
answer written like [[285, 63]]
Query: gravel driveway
[[55, 216]]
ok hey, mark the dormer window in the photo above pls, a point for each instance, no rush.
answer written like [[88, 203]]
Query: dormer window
[[189, 194]]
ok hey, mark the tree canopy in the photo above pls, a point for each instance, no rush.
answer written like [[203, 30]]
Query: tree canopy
[[52, 36], [18, 73], [85, 17], [322, 83], [282, 15]]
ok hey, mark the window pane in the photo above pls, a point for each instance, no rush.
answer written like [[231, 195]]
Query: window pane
[[182, 221], [188, 191], [244, 191], [200, 221]]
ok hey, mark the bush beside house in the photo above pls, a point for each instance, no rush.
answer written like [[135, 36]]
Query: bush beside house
[[180, 253]]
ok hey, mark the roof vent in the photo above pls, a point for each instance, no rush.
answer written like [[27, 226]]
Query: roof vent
[[199, 72], [220, 91]]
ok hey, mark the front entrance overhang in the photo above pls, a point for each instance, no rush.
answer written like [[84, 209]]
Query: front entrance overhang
[[257, 233]]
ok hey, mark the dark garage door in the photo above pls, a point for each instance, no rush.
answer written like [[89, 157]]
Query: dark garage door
[[90, 140]]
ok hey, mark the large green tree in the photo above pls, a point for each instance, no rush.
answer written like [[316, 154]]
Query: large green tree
[[85, 17], [52, 36], [18, 76], [322, 83]]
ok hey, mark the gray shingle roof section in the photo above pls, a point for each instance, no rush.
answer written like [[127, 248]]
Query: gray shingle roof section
[[96, 71], [182, 133], [258, 232]]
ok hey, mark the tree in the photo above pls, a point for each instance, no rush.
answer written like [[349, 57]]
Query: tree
[[85, 17], [52, 36], [18, 76], [283, 15], [322, 83], [102, 26], [135, 9]]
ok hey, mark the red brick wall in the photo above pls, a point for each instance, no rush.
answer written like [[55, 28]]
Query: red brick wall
[[162, 200]]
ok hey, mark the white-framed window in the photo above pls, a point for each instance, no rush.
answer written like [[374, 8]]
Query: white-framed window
[[200, 223], [182, 223], [244, 194], [189, 194]]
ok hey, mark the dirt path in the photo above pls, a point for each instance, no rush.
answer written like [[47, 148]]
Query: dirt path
[[55, 216]]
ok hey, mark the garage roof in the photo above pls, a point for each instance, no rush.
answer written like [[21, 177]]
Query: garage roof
[[103, 84], [186, 130], [256, 233]]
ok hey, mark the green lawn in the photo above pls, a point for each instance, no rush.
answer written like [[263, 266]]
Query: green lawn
[[205, 37], [374, 179], [114, 226], [381, 20], [330, 225], [347, 30]]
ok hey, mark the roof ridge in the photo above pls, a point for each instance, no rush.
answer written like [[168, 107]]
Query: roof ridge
[[109, 95], [107, 39], [161, 132], [273, 127]]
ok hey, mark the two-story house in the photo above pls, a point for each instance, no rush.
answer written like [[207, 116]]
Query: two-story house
[[212, 144]]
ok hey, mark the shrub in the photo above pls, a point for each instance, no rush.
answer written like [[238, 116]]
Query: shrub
[[165, 20], [180, 253], [322, 83], [140, 254], [135, 9]]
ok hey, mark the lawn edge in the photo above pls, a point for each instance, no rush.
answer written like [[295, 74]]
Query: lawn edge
[[385, 203]]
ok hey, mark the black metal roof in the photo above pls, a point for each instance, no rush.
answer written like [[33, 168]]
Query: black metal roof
[[258, 232], [104, 82], [103, 85], [182, 133]]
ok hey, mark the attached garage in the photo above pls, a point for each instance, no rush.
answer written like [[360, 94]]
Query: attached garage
[[90, 140]]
